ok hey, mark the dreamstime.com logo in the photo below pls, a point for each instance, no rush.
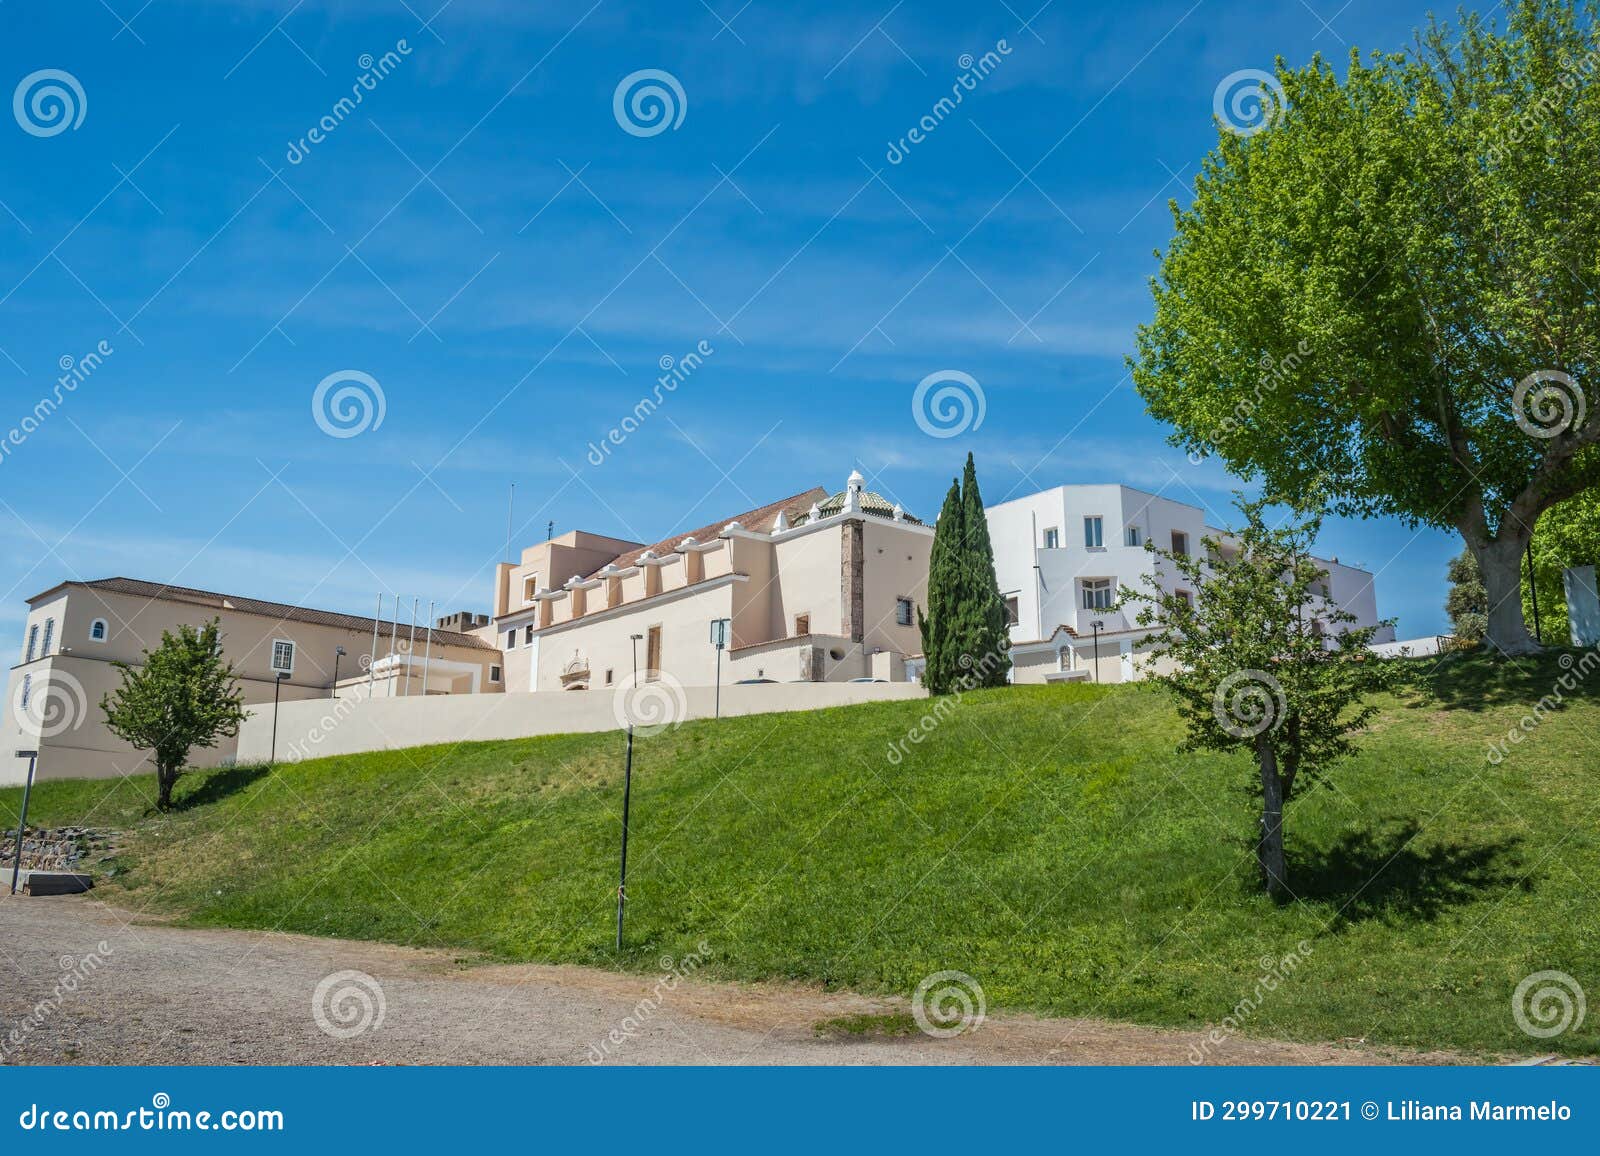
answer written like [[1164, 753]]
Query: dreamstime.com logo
[[1547, 1004], [50, 706], [948, 1003], [649, 102], [348, 403], [346, 1004], [49, 102], [948, 402], [1249, 702], [650, 702], [1247, 101], [1548, 402]]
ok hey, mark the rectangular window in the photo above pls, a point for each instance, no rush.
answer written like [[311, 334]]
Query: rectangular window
[[1180, 543], [511, 638], [1012, 614], [494, 674], [1052, 538], [33, 641], [608, 677], [282, 656], [1185, 597], [802, 625], [27, 691], [1097, 594], [903, 611], [49, 636], [530, 587], [652, 653], [1092, 528], [1135, 538], [527, 634]]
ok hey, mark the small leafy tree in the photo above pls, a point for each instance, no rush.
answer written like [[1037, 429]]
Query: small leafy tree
[[182, 696], [1467, 604], [964, 637], [1261, 662]]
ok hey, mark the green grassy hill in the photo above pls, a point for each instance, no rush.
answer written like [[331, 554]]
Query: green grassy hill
[[1049, 841]]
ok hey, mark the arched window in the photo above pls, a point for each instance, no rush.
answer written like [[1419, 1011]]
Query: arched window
[[49, 635], [97, 630]]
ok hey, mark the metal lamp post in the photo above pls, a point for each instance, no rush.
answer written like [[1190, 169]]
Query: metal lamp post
[[719, 639], [338, 653], [22, 820], [1096, 625], [627, 795], [277, 684]]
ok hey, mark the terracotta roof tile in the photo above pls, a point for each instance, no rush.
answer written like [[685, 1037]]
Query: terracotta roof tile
[[759, 520]]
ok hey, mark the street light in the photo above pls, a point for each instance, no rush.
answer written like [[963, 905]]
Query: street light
[[22, 820], [277, 683], [338, 653], [1096, 625], [627, 795]]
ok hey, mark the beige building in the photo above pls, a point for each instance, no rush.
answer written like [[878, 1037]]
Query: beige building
[[77, 630], [815, 588]]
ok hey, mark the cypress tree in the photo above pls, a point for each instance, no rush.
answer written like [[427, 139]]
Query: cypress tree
[[985, 638], [944, 596]]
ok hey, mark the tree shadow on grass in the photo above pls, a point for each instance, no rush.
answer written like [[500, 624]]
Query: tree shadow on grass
[[1481, 679], [218, 785], [1389, 873]]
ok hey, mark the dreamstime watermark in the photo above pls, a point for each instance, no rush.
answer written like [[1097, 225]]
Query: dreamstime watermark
[[1547, 1004], [75, 973], [1541, 109], [49, 102], [75, 371], [1248, 703], [343, 707], [1574, 673], [1548, 402], [948, 402], [1247, 101], [972, 71], [51, 706], [372, 71], [674, 372], [673, 972], [650, 701], [1275, 971], [976, 670], [348, 403], [1274, 372], [649, 102], [348, 1003], [948, 1003], [161, 1116]]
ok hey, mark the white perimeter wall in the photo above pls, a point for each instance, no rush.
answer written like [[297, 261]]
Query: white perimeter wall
[[347, 726]]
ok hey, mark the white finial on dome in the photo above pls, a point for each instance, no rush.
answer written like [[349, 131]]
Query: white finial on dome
[[899, 512], [815, 513], [782, 522], [856, 482]]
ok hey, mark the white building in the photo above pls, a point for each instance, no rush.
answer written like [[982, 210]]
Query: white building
[[1062, 555]]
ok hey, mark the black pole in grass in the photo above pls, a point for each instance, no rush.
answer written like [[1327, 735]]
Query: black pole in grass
[[627, 794], [22, 819]]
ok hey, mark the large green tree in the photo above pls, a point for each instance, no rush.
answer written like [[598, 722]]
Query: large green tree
[[1390, 293], [1259, 662], [182, 696], [1567, 535], [965, 642]]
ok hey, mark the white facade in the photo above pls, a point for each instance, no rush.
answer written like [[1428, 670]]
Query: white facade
[[1063, 555]]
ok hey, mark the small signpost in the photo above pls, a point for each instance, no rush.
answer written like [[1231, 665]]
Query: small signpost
[[719, 639]]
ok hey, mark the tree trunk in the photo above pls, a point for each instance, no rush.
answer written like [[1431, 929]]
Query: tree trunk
[[165, 778], [1500, 561], [1269, 851]]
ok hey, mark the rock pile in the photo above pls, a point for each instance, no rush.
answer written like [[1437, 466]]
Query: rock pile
[[58, 848]]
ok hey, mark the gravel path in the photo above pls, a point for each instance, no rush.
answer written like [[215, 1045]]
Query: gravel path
[[81, 985]]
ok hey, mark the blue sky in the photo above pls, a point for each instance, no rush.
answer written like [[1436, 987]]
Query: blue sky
[[482, 239]]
